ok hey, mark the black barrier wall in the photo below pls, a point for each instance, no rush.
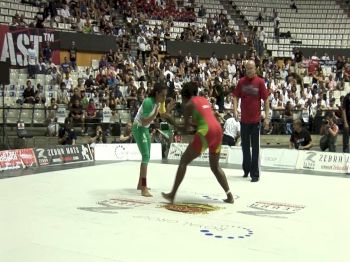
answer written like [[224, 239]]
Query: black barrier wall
[[204, 50], [308, 52], [87, 43]]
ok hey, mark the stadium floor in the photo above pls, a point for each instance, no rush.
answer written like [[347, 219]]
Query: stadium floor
[[94, 213]]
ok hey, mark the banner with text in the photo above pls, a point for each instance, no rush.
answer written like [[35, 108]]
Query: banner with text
[[324, 161], [63, 155], [15, 42], [122, 152], [281, 158], [17, 158], [177, 149]]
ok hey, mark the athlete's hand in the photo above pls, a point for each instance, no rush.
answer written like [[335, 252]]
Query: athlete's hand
[[235, 115], [170, 106], [266, 124]]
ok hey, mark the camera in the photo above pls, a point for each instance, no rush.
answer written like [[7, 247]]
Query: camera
[[325, 122]]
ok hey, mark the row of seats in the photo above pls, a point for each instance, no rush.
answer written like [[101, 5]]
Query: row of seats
[[317, 24], [27, 113], [36, 115]]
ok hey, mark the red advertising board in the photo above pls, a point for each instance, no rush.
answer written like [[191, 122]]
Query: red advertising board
[[17, 158]]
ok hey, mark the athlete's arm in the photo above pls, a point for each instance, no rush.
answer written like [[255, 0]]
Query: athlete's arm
[[147, 117]]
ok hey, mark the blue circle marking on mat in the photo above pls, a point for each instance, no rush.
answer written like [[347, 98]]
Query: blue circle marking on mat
[[232, 235]]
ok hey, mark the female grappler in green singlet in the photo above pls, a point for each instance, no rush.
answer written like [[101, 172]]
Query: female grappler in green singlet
[[148, 111]]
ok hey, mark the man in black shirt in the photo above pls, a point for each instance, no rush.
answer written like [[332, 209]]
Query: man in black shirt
[[73, 56], [300, 138], [28, 94], [66, 134]]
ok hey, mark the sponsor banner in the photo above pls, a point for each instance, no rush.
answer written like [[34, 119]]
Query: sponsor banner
[[324, 161], [17, 158], [235, 155], [281, 158], [15, 42], [123, 152], [177, 149], [63, 154]]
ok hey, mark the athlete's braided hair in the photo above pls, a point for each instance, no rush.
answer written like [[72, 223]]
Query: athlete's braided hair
[[189, 89], [157, 88]]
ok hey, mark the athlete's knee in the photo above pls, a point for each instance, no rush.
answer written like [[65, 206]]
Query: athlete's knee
[[145, 158]]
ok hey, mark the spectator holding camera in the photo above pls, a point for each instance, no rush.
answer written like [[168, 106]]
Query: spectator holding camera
[[329, 132], [126, 136], [300, 138], [99, 137]]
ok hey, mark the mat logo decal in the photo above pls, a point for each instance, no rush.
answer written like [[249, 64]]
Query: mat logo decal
[[191, 208], [112, 205], [272, 209], [217, 231], [235, 232]]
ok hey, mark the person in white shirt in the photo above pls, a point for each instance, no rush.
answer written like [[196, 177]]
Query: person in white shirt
[[32, 61], [213, 61], [217, 38], [231, 70], [177, 84], [69, 82], [189, 59], [232, 130], [168, 72], [142, 42], [65, 14], [228, 103], [262, 36]]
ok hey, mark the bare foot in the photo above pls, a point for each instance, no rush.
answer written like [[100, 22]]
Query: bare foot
[[229, 199], [145, 192], [139, 187], [168, 197]]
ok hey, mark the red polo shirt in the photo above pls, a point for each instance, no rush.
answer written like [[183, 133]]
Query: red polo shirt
[[251, 91]]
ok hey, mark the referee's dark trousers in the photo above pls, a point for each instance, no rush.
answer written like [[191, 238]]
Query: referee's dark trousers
[[250, 138]]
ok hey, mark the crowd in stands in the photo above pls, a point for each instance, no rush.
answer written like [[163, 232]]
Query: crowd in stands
[[123, 80]]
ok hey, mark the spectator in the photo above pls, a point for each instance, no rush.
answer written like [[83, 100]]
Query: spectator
[[65, 14], [126, 136], [202, 11], [218, 94], [73, 56], [65, 66], [98, 137], [293, 5], [262, 36], [32, 62], [142, 42], [300, 138], [66, 134], [62, 95], [52, 126], [231, 131], [77, 115], [39, 95], [29, 94], [329, 132], [68, 82]]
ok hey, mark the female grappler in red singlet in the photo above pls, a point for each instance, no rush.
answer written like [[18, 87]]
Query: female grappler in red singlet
[[208, 135]]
